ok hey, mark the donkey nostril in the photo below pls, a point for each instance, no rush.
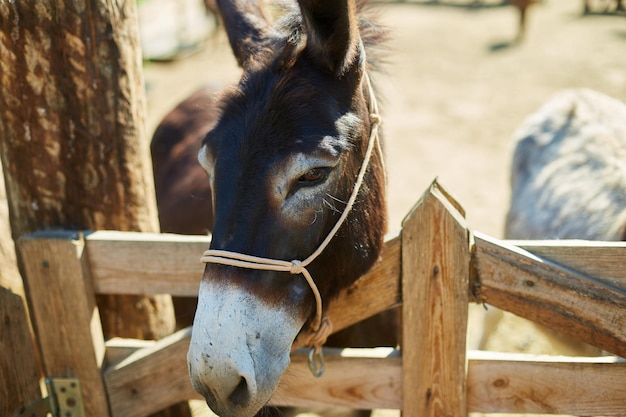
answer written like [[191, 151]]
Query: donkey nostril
[[241, 395]]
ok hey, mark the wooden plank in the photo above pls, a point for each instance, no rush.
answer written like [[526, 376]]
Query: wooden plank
[[373, 293], [132, 380], [19, 373], [146, 263], [516, 383], [372, 378], [605, 261], [515, 280], [135, 385], [354, 378], [435, 281], [151, 263], [119, 348], [64, 313]]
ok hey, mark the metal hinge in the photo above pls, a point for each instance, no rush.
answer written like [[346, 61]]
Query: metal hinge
[[64, 400]]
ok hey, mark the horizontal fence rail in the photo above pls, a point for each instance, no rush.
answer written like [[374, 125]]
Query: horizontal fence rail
[[587, 309]]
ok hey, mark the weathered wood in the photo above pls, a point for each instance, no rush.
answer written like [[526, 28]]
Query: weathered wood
[[435, 292], [118, 349], [135, 384], [534, 288], [514, 383], [19, 373], [72, 134], [146, 263], [73, 116], [605, 261], [372, 378], [64, 313], [150, 263], [354, 378], [375, 292]]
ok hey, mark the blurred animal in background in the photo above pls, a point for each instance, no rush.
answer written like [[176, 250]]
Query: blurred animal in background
[[568, 176], [615, 6], [589, 6], [182, 186], [568, 179], [183, 193], [522, 7]]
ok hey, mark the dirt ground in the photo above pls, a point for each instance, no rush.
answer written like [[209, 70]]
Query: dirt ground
[[455, 91]]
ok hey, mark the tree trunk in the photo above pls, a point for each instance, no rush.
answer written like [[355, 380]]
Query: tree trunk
[[72, 136], [73, 141]]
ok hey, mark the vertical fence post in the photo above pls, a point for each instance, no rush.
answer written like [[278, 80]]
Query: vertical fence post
[[435, 275], [64, 313], [19, 374]]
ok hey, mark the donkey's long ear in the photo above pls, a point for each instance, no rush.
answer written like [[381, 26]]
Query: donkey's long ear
[[332, 33], [247, 27]]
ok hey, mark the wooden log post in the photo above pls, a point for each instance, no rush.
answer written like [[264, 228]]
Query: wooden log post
[[72, 133], [72, 137], [435, 296], [19, 373]]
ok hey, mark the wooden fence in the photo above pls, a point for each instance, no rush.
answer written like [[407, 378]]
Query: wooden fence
[[433, 268]]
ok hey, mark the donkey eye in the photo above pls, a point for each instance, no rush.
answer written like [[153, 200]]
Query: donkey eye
[[313, 176]]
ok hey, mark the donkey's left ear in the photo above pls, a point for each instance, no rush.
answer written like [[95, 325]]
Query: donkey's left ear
[[332, 31], [247, 26]]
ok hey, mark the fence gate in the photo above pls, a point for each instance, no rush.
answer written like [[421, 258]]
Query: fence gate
[[433, 269]]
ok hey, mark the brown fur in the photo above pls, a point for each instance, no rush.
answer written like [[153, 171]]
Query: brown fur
[[182, 188], [184, 197], [301, 105]]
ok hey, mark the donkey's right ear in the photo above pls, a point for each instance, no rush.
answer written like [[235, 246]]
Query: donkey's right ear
[[247, 27]]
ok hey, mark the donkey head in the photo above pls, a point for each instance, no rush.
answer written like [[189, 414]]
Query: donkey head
[[282, 161]]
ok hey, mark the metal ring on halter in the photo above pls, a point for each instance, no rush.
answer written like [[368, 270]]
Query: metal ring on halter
[[317, 367]]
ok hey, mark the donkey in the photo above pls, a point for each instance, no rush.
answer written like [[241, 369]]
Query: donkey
[[183, 195], [298, 194], [568, 178], [185, 206]]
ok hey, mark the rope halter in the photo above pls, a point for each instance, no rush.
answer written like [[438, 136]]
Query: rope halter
[[321, 326]]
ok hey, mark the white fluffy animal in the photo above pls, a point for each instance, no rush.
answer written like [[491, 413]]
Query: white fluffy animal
[[568, 181], [568, 176]]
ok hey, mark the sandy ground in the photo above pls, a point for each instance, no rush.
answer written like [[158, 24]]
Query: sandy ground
[[455, 91]]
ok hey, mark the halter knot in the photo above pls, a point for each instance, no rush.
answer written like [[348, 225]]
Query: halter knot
[[296, 267], [375, 118]]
